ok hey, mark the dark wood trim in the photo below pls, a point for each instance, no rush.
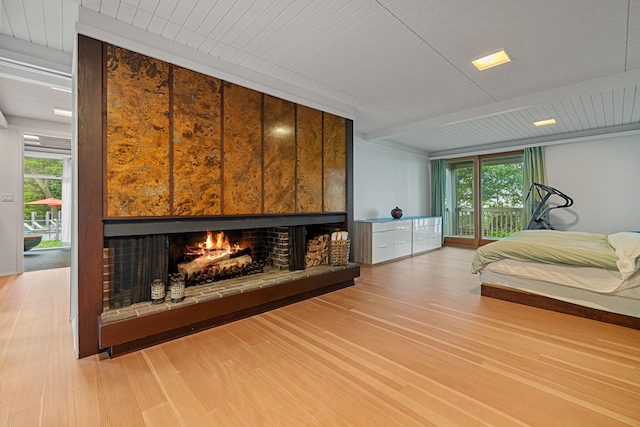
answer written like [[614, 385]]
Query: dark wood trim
[[295, 157], [349, 181], [135, 333], [222, 84], [477, 201], [90, 191], [262, 95], [105, 106], [322, 195], [547, 303], [460, 242], [171, 152], [500, 154]]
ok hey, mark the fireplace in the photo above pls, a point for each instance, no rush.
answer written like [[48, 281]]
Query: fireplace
[[200, 258], [130, 320]]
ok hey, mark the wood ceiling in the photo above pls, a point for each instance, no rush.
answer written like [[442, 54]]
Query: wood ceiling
[[401, 68]]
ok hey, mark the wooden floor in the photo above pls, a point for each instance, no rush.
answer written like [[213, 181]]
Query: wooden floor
[[411, 344]]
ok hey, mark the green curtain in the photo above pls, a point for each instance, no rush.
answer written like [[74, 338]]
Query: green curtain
[[533, 171], [438, 188]]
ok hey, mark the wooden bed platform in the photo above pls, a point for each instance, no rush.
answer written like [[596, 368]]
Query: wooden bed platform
[[547, 303]]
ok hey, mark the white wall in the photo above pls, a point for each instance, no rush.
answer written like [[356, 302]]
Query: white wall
[[386, 177], [11, 241], [603, 178]]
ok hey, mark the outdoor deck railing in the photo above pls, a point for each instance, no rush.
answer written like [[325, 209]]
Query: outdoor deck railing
[[496, 222]]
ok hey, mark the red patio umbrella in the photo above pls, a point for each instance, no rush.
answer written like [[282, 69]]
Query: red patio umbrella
[[51, 201]]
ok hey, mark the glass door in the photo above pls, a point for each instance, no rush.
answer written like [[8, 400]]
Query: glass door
[[460, 202], [501, 195], [484, 198]]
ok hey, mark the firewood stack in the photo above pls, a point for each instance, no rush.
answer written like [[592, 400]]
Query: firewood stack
[[317, 251]]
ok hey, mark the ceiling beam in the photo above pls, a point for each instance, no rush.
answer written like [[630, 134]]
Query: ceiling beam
[[40, 127], [28, 62], [619, 80], [3, 121]]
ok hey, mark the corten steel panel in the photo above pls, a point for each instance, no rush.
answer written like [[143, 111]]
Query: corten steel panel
[[279, 156], [196, 143], [309, 159], [242, 150], [334, 148], [137, 146]]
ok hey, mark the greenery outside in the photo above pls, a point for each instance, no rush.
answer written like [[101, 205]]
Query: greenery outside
[[48, 183], [501, 195]]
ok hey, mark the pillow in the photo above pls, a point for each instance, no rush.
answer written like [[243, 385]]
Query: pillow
[[627, 246]]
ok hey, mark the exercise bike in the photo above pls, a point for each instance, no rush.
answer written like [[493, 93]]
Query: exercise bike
[[540, 216]]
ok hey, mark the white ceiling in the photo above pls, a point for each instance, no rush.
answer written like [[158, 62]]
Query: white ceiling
[[401, 68]]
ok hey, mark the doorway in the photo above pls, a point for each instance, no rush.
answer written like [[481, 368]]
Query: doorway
[[483, 198], [46, 214]]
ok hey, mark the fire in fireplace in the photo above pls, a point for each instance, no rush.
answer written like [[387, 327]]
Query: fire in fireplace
[[214, 258]]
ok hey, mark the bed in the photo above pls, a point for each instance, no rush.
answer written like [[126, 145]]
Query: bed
[[585, 274]]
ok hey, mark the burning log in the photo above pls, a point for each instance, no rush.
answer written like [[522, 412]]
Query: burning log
[[189, 269], [229, 266], [221, 267], [240, 252]]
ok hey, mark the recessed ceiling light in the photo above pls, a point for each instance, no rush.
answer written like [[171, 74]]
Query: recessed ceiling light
[[31, 137], [61, 89], [491, 60], [33, 143], [61, 112], [545, 122]]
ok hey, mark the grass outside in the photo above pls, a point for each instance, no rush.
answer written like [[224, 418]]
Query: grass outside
[[45, 244]]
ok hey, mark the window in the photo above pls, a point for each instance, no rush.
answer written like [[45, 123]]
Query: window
[[483, 199]]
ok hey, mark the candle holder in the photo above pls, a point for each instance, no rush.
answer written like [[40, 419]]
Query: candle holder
[[177, 289], [157, 292]]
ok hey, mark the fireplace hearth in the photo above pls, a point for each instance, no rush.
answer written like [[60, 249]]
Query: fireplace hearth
[[199, 258]]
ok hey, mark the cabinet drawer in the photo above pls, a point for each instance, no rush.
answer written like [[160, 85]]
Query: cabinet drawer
[[435, 241], [381, 253], [382, 239], [420, 242], [401, 249], [382, 226], [403, 235]]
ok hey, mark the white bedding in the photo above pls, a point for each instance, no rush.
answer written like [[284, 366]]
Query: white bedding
[[589, 278], [613, 290]]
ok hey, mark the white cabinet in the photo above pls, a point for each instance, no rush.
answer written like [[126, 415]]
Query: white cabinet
[[381, 236], [402, 239], [435, 235], [427, 234], [381, 240]]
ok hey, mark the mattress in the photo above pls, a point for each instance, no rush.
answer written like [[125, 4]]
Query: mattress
[[589, 278], [569, 284]]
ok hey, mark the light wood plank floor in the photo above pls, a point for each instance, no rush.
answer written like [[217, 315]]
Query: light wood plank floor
[[411, 344]]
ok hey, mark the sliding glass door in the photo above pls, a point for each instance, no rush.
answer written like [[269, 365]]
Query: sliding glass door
[[484, 196], [501, 195], [460, 201]]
